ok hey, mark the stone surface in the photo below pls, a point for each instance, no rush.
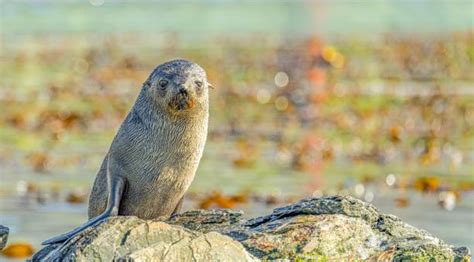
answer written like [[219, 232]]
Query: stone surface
[[134, 239], [328, 228], [3, 236]]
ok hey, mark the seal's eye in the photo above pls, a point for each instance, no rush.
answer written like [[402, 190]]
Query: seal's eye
[[163, 82], [198, 83]]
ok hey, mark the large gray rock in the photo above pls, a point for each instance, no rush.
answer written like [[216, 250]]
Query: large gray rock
[[332, 228], [3, 236], [131, 238]]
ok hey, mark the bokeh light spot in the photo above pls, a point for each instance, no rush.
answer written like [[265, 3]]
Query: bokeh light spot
[[359, 190], [96, 2], [263, 96], [390, 179], [281, 103], [281, 79], [369, 196]]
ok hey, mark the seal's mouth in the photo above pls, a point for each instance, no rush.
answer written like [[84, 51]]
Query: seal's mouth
[[181, 101]]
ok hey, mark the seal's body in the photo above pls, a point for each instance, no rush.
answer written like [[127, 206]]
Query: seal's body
[[155, 154], [158, 154]]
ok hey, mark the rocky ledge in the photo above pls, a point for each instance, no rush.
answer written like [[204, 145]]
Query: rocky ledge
[[3, 236], [318, 229]]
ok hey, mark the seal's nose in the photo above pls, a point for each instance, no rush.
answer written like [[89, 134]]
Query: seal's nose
[[182, 91]]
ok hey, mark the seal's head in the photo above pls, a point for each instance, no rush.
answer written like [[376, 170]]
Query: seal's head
[[179, 86]]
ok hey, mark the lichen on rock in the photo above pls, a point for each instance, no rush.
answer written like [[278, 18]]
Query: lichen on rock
[[316, 229]]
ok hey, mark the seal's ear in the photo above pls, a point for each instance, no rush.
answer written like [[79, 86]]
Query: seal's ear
[[147, 83]]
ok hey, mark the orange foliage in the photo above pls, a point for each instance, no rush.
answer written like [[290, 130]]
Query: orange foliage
[[18, 250]]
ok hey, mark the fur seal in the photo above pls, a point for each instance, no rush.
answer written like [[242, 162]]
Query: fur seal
[[155, 154]]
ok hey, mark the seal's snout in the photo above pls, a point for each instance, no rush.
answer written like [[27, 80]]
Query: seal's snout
[[181, 100], [182, 92]]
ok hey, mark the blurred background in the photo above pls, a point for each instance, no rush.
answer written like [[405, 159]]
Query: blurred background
[[373, 99]]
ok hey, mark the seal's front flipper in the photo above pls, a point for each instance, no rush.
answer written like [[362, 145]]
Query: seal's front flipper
[[116, 188]]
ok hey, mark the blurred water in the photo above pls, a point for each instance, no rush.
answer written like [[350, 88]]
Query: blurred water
[[202, 19], [192, 21], [454, 227]]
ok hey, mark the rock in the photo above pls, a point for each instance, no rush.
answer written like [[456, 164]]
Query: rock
[[3, 236], [328, 228], [130, 238]]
